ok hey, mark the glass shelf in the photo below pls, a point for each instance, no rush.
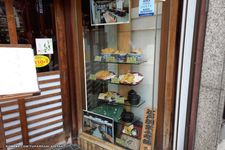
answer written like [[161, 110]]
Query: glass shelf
[[130, 63], [110, 82], [125, 104], [132, 60]]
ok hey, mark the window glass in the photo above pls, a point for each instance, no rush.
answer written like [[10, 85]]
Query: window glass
[[35, 21], [4, 34]]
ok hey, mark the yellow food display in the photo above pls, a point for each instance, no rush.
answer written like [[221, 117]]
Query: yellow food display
[[108, 51], [127, 78], [102, 75]]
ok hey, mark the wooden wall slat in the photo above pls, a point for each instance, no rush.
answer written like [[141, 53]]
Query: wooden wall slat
[[45, 118], [15, 142], [50, 88], [49, 81], [57, 138], [45, 125], [9, 104], [44, 111], [11, 119], [45, 132], [42, 97], [43, 104], [13, 135], [10, 112], [41, 74], [12, 127]]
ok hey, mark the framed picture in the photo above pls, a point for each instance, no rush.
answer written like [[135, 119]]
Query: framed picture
[[107, 12], [99, 126]]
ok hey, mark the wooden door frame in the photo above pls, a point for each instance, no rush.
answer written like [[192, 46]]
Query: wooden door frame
[[167, 74], [62, 55]]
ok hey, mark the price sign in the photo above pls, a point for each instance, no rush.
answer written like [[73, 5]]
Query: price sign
[[120, 100], [98, 58], [115, 80], [111, 59], [41, 61], [131, 60], [92, 77]]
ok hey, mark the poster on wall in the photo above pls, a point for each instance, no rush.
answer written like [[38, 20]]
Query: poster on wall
[[44, 45], [99, 126], [107, 12], [146, 7]]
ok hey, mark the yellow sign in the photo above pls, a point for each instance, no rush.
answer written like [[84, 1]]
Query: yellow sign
[[41, 61]]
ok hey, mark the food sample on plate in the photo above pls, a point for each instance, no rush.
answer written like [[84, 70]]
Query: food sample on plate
[[130, 78], [108, 51], [110, 96], [104, 75]]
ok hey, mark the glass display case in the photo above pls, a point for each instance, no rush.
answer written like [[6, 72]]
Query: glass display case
[[121, 63]]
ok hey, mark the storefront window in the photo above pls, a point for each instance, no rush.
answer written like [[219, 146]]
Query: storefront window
[[122, 60], [4, 34], [35, 25]]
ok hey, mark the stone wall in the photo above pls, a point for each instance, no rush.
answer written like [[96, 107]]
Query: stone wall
[[212, 94]]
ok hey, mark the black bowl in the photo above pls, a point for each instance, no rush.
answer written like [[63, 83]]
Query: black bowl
[[127, 116]]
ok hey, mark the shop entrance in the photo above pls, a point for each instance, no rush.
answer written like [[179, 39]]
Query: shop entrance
[[43, 119]]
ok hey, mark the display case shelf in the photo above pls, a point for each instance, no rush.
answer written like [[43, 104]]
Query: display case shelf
[[129, 63], [126, 103], [110, 82]]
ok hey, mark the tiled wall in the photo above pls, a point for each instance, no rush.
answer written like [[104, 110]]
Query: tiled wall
[[212, 94]]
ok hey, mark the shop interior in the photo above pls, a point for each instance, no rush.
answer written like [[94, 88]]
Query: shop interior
[[109, 11]]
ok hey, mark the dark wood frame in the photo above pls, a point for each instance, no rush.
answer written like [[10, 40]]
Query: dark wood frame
[[167, 76], [169, 53], [199, 40]]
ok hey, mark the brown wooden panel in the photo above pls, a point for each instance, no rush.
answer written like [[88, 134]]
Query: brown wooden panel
[[43, 104], [16, 45], [11, 21], [198, 49], [74, 30], [42, 97], [45, 125], [49, 81], [2, 133], [44, 111], [50, 88], [13, 135], [63, 54], [23, 121], [45, 132], [12, 127], [44, 118], [48, 73]]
